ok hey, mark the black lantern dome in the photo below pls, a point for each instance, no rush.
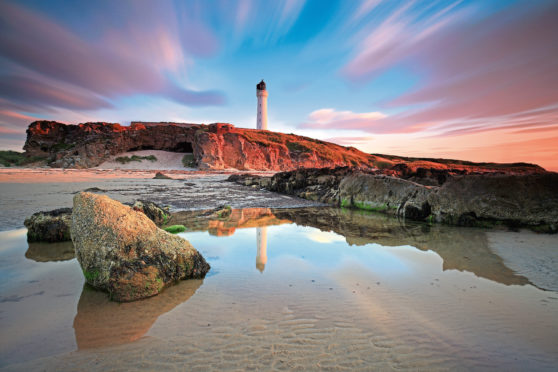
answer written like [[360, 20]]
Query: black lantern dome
[[261, 85]]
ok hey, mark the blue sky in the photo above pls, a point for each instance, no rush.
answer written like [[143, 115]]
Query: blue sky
[[463, 79]]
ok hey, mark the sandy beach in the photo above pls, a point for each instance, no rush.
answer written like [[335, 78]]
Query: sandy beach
[[368, 292]]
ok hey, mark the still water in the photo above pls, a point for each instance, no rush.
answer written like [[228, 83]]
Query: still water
[[305, 289]]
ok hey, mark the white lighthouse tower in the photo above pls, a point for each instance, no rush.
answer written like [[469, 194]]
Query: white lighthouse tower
[[262, 106]]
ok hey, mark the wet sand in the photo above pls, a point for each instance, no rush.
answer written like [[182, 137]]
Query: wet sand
[[307, 289], [26, 191]]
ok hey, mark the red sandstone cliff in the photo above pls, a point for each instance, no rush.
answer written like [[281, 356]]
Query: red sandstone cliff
[[215, 146], [222, 146]]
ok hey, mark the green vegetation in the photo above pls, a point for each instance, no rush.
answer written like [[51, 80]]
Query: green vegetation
[[383, 164], [345, 202], [225, 211], [127, 159], [91, 275], [166, 218], [175, 229], [274, 137], [189, 161], [297, 147], [13, 158], [368, 207], [376, 207]]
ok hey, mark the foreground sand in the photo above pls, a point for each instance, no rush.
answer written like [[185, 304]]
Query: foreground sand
[[320, 303]]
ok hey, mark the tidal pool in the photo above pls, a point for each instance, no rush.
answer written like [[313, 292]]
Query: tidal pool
[[306, 289]]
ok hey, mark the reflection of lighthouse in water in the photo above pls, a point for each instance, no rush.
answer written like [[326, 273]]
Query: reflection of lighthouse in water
[[261, 256]]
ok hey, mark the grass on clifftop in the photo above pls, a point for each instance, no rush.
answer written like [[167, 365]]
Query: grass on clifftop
[[13, 158], [127, 159]]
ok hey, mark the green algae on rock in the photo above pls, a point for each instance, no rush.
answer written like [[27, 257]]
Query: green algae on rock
[[122, 251], [175, 229]]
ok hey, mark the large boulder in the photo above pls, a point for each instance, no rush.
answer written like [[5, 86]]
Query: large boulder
[[122, 251], [51, 226]]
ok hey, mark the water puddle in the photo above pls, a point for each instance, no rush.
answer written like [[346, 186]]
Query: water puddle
[[310, 288]]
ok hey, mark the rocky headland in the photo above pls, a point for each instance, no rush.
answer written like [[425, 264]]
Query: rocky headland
[[479, 198], [223, 146], [213, 146]]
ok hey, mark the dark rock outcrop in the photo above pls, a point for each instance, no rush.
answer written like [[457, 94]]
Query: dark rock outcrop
[[466, 200], [475, 200], [121, 251], [49, 226], [161, 176]]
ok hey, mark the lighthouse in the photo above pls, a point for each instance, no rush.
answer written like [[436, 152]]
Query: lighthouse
[[262, 105]]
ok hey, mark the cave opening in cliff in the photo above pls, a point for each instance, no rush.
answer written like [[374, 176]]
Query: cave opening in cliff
[[183, 147]]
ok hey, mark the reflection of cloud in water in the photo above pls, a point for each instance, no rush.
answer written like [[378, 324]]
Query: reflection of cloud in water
[[324, 236], [12, 234], [463, 249], [101, 322]]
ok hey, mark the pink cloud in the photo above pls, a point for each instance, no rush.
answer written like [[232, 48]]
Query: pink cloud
[[125, 60], [479, 76], [15, 115], [396, 38], [37, 92], [329, 118], [350, 141]]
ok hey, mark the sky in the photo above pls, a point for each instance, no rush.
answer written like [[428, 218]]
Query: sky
[[472, 80]]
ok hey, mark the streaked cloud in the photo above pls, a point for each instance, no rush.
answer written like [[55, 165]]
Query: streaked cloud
[[478, 75], [423, 78], [350, 141], [397, 37], [331, 118], [121, 61]]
